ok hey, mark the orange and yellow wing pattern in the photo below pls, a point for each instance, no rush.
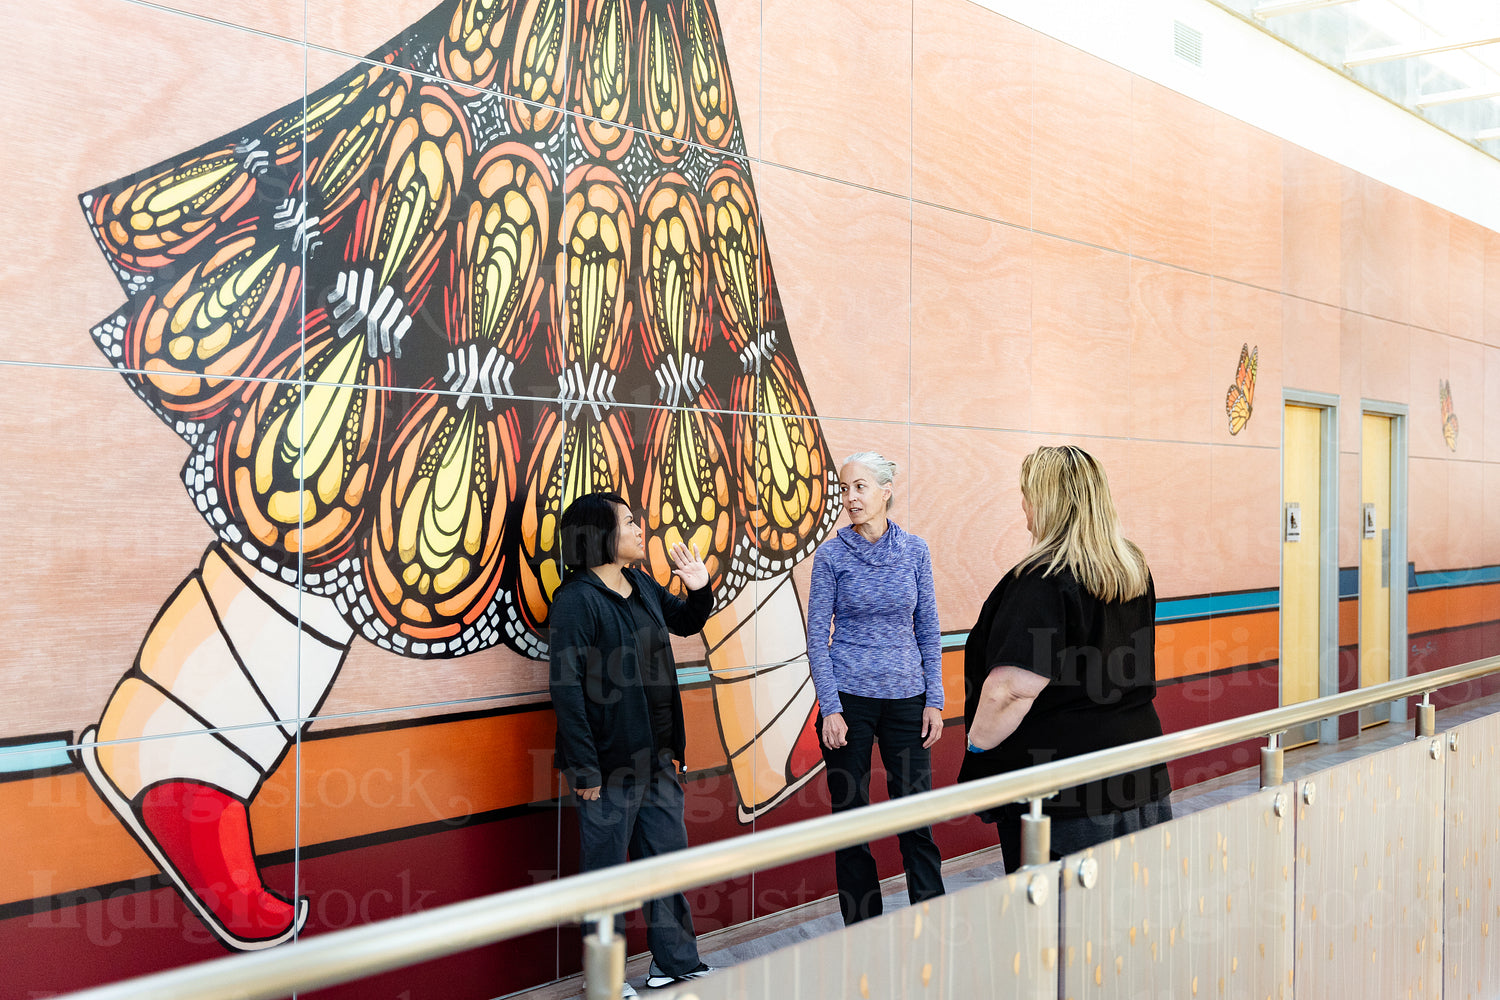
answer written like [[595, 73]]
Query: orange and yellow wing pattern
[[435, 559], [513, 257], [1450, 419], [663, 93], [1238, 402], [289, 470], [214, 322]]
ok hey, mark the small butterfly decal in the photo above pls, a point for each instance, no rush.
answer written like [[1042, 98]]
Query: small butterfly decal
[[1450, 419], [1238, 402]]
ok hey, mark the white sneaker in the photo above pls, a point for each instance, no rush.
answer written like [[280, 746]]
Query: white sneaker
[[657, 979], [627, 991]]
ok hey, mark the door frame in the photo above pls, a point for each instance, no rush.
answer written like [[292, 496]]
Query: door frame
[[1326, 730], [1398, 414]]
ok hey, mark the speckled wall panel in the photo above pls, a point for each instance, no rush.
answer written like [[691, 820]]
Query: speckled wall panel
[[1369, 876], [1193, 908], [1471, 907], [991, 940]]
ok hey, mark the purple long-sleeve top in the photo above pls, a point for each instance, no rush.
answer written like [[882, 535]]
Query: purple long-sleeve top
[[878, 599]]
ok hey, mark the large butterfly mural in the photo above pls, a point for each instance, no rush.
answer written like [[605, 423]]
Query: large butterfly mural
[[514, 257]]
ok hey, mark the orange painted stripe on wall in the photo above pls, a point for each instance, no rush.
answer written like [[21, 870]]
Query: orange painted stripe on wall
[[63, 838], [388, 779], [1451, 607], [1205, 645], [1349, 622]]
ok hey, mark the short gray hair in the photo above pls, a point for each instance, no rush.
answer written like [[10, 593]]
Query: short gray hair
[[883, 468]]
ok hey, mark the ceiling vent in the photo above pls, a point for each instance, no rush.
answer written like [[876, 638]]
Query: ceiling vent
[[1187, 43]]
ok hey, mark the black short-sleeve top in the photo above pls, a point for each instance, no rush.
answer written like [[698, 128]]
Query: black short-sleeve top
[[1099, 660]]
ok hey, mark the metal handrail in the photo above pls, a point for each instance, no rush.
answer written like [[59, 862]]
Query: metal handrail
[[341, 956]]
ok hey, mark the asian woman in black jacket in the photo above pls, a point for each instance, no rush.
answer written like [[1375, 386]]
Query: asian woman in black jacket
[[620, 734]]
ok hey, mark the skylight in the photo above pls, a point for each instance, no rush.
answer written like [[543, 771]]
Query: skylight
[[1440, 59]]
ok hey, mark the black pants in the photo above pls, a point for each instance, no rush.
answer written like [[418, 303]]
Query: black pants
[[1072, 835], [643, 817], [896, 724]]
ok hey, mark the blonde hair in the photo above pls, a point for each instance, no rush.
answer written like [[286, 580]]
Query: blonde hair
[[1074, 524]]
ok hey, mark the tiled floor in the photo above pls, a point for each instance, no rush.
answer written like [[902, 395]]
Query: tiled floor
[[754, 938]]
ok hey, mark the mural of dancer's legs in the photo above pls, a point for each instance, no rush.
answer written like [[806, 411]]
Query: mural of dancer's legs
[[763, 695], [232, 663]]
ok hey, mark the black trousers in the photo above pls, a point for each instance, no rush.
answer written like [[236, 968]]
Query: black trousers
[[1072, 835], [642, 818], [895, 724]]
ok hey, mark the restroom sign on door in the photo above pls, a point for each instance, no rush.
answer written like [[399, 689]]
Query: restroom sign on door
[[1291, 523]]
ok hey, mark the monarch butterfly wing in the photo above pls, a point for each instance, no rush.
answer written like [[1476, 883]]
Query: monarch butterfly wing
[[1242, 367], [167, 215], [663, 99], [741, 268], [436, 560], [569, 458], [1237, 404], [1250, 367], [433, 560], [218, 321], [111, 336], [536, 65], [792, 506], [715, 119], [470, 50], [1450, 420], [687, 493], [539, 568], [286, 474]]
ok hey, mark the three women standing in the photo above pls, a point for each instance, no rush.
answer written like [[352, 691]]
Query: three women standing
[[1060, 663], [876, 658]]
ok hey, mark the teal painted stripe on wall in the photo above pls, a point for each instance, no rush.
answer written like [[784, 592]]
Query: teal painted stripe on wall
[[1178, 609], [34, 756], [1455, 578], [1213, 605]]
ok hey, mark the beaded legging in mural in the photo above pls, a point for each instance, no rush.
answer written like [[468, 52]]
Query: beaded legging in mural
[[513, 257]]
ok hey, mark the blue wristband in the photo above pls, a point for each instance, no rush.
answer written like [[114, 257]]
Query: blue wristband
[[974, 749]]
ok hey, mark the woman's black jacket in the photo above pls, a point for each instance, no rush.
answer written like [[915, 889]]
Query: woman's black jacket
[[603, 720]]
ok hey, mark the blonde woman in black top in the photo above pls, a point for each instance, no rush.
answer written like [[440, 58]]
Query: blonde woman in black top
[[1062, 659]]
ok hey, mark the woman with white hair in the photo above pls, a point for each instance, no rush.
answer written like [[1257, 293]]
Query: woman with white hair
[[876, 658], [1062, 659]]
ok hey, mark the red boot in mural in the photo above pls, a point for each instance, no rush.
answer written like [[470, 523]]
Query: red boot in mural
[[207, 712], [514, 257], [204, 837]]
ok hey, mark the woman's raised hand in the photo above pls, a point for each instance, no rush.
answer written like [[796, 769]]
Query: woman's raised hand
[[690, 569]]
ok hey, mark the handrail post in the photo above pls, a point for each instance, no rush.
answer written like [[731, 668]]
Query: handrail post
[[1426, 717], [603, 960], [1036, 836], [1272, 758]]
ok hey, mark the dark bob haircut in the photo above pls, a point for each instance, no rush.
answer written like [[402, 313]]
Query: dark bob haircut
[[590, 531]]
